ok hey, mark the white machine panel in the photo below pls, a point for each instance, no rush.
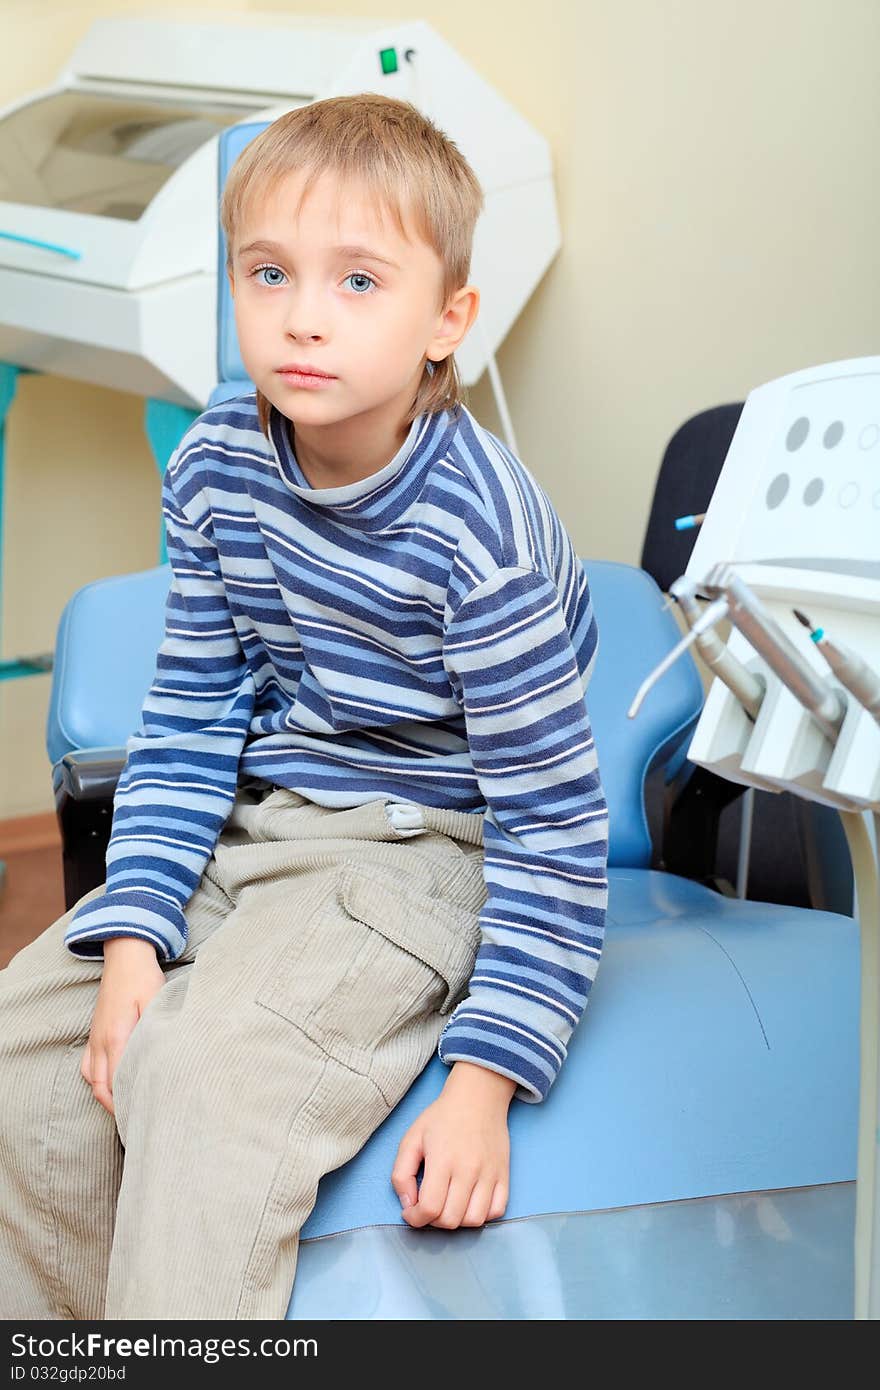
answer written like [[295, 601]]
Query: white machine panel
[[801, 483]]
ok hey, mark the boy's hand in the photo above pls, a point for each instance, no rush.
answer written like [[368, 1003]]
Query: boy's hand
[[132, 975], [462, 1138]]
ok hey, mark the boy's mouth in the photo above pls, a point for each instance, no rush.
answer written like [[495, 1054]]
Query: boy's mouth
[[305, 370]]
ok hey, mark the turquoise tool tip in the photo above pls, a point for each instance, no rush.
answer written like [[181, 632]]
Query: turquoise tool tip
[[685, 523]]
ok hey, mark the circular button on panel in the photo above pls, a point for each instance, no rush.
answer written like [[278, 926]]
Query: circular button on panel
[[849, 494], [797, 434], [777, 490], [813, 491], [833, 434], [869, 436]]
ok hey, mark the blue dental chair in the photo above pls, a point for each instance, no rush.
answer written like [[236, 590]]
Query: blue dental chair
[[696, 1157]]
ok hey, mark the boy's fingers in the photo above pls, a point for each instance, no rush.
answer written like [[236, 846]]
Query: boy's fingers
[[114, 1056], [478, 1207], [408, 1193], [406, 1166], [498, 1205], [432, 1199], [103, 1097], [85, 1066], [458, 1199], [100, 1087]]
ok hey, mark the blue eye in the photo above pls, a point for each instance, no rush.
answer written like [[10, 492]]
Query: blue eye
[[277, 276], [272, 277], [368, 279]]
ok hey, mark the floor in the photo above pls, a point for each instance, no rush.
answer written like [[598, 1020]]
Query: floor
[[32, 891]]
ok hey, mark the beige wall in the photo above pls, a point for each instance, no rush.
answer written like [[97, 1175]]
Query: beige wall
[[716, 174]]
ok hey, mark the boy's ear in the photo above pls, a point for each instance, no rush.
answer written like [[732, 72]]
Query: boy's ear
[[231, 278], [455, 322]]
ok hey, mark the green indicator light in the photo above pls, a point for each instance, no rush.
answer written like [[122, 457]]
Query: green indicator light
[[388, 59]]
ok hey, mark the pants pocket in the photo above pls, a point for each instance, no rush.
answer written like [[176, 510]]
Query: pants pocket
[[374, 956]]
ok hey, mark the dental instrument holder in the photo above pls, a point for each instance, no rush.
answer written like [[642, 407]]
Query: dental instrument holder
[[746, 686], [793, 518], [808, 736]]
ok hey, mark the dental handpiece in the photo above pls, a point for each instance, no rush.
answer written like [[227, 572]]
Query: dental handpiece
[[746, 686], [854, 674], [826, 705], [711, 615]]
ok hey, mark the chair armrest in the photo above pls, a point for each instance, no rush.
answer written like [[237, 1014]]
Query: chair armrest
[[88, 774], [85, 783]]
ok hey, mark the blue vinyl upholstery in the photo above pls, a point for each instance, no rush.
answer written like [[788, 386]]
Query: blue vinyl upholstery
[[718, 1053], [105, 657], [232, 379], [635, 633]]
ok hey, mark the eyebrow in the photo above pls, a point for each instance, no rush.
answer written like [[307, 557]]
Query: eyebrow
[[272, 248]]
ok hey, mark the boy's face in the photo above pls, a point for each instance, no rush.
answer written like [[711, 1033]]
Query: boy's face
[[369, 318]]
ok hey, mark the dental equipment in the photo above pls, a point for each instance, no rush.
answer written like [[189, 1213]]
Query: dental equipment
[[712, 615], [734, 600], [825, 704], [854, 674], [748, 687]]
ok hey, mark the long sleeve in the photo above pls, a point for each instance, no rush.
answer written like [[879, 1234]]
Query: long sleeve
[[178, 784], [511, 660]]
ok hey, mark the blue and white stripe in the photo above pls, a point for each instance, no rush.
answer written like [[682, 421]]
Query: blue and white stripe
[[425, 634]]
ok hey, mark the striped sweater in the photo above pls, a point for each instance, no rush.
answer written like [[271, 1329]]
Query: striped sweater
[[424, 635]]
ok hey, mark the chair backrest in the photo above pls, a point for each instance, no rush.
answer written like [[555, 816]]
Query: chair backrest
[[110, 631], [232, 379], [685, 483], [105, 660], [635, 633]]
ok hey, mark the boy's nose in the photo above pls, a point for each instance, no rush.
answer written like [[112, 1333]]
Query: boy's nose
[[303, 322]]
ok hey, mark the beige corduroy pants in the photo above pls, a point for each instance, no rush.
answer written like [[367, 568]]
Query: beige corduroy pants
[[324, 950]]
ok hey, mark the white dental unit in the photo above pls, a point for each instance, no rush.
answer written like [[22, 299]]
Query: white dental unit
[[108, 185], [794, 527]]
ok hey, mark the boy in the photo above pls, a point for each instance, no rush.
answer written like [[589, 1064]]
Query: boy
[[378, 638]]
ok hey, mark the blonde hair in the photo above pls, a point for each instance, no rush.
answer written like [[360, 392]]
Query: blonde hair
[[407, 164]]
